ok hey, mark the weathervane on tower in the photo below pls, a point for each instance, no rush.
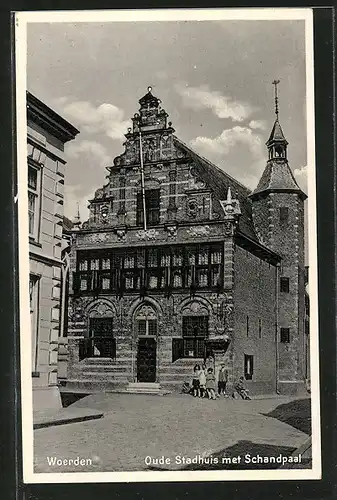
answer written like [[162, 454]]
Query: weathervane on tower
[[275, 83]]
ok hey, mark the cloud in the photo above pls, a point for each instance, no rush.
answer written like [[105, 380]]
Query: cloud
[[105, 118], [258, 124], [301, 175], [229, 138], [222, 106], [161, 75], [92, 150], [233, 148]]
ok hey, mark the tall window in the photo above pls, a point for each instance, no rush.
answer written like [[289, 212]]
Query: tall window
[[284, 215], [284, 285], [33, 201], [100, 342], [195, 332], [248, 366], [285, 335], [152, 207]]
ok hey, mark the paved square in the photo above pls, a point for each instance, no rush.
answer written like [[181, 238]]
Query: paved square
[[138, 426]]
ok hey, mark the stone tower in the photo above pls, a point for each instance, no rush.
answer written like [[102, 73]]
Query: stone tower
[[278, 214]]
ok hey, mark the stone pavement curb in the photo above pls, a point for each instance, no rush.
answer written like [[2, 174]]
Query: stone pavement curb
[[64, 416]]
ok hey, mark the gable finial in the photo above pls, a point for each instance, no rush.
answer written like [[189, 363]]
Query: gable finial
[[275, 83], [229, 195], [77, 218], [78, 212]]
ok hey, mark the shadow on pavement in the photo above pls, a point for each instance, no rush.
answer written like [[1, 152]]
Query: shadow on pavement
[[296, 413]]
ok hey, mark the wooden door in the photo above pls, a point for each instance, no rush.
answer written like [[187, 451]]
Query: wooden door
[[146, 359]]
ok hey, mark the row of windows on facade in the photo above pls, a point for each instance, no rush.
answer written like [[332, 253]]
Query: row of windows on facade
[[192, 344], [193, 328], [152, 267], [152, 207]]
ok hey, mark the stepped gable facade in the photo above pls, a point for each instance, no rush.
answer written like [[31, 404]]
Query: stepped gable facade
[[174, 265]]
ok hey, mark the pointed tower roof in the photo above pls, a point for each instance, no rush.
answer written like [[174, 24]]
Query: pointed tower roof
[[277, 176], [276, 134]]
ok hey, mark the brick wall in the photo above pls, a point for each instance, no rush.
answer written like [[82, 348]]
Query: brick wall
[[254, 299]]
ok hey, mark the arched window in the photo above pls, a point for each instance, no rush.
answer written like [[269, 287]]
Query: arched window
[[146, 321]]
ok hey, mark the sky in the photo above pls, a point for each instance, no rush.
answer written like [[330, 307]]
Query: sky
[[214, 79]]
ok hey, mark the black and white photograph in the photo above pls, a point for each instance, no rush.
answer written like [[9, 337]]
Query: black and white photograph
[[167, 245]]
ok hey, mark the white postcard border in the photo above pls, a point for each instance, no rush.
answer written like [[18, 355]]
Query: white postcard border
[[21, 21]]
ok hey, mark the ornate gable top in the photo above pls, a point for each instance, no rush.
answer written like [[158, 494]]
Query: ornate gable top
[[149, 99]]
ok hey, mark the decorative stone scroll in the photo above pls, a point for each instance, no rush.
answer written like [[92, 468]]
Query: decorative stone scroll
[[149, 234], [98, 237], [76, 312], [196, 231], [120, 233], [171, 230]]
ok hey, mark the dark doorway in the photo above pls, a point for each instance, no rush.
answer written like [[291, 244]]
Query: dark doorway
[[146, 359]]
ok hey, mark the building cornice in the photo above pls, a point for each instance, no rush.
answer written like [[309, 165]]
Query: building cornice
[[41, 114], [45, 259]]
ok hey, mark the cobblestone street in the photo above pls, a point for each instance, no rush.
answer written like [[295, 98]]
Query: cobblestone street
[[138, 426]]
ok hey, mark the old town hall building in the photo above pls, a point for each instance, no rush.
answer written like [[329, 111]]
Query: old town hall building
[[179, 261]]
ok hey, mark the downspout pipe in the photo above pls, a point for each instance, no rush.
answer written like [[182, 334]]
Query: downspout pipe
[[65, 271], [277, 328]]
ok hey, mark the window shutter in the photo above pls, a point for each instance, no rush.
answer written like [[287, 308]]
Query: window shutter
[[177, 349], [76, 282], [113, 348]]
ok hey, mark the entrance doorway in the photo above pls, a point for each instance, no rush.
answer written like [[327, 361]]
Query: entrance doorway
[[146, 359], [146, 331]]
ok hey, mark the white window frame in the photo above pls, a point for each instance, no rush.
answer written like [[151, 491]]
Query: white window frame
[[36, 193]]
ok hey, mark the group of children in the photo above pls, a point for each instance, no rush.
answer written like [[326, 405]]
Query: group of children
[[204, 382]]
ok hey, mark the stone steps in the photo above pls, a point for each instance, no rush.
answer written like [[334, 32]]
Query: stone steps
[[95, 376], [100, 368], [143, 388], [97, 361]]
